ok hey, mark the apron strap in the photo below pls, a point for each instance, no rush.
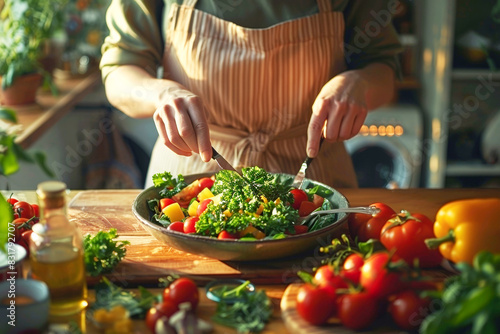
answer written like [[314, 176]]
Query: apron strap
[[189, 3], [325, 6]]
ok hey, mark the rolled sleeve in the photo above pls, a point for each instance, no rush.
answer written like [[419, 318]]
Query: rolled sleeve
[[134, 36], [370, 36]]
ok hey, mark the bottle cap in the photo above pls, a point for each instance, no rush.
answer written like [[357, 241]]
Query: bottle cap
[[51, 194]]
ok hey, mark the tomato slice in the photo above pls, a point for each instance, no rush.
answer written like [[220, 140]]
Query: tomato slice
[[299, 196]]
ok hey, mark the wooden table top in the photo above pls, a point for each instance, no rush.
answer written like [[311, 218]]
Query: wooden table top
[[147, 259]]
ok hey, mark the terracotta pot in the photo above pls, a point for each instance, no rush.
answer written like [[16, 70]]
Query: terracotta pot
[[23, 90]]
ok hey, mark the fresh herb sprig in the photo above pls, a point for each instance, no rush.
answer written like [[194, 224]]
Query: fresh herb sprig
[[109, 295], [170, 185], [102, 253], [470, 301], [249, 314]]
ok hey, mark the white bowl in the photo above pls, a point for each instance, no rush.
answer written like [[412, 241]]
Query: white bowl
[[18, 316], [11, 262]]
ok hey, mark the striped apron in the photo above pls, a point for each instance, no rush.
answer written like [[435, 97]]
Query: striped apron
[[258, 87]]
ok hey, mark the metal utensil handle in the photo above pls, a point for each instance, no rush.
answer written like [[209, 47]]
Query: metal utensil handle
[[370, 210]]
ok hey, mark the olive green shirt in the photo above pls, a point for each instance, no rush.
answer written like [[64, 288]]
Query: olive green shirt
[[136, 27]]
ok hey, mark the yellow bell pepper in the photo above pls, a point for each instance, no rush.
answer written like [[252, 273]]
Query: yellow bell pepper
[[463, 228]]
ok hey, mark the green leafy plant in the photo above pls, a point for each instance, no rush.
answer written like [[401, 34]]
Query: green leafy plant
[[11, 154], [103, 253], [25, 25]]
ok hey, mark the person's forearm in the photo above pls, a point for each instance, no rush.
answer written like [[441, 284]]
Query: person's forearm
[[379, 81], [134, 91]]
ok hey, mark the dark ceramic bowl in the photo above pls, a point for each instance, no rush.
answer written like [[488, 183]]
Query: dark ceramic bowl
[[236, 250]]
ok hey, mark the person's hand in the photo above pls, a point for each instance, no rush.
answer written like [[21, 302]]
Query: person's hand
[[182, 124], [338, 111]]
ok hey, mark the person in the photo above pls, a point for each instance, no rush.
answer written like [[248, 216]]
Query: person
[[260, 81]]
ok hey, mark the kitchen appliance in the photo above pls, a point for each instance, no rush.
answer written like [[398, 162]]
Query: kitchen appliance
[[387, 152]]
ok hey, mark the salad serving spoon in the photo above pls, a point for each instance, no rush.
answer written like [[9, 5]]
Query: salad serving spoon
[[370, 210]]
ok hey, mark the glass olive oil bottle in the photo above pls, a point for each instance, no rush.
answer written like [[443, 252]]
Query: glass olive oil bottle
[[56, 252]]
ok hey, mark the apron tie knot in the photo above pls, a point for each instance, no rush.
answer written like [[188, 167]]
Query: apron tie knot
[[258, 141], [251, 147]]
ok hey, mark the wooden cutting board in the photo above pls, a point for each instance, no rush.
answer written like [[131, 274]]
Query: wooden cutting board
[[295, 324], [148, 259]]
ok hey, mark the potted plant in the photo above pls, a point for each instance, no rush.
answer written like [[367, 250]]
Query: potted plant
[[25, 25], [10, 155]]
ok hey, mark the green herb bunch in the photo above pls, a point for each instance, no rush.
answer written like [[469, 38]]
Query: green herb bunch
[[470, 301], [239, 196], [102, 253], [249, 314]]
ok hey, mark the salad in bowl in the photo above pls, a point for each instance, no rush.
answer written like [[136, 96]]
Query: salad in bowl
[[238, 217]]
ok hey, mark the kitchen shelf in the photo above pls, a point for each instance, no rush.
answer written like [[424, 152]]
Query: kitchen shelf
[[472, 169], [473, 74], [36, 119]]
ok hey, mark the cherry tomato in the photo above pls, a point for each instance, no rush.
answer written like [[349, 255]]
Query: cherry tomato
[[203, 206], [315, 304], [405, 233], [358, 310], [176, 226], [325, 276], [408, 309], [164, 309], [300, 229], [299, 196], [365, 226], [351, 269], [377, 279], [205, 182], [190, 224], [12, 200], [24, 209], [306, 207], [182, 290], [226, 235], [36, 209], [164, 202]]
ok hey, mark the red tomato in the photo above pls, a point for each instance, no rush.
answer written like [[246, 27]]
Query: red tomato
[[351, 269], [299, 196], [36, 209], [185, 196], [318, 200], [24, 209], [306, 207], [406, 233], [203, 206], [164, 309], [226, 235], [408, 310], [376, 278], [182, 290], [12, 200], [164, 202], [205, 182], [358, 310], [325, 275], [315, 304], [176, 226], [300, 229], [365, 226], [190, 224]]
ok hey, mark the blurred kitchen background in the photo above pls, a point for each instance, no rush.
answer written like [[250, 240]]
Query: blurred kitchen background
[[442, 129]]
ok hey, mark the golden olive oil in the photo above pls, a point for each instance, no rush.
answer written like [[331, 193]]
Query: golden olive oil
[[56, 252], [62, 269]]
